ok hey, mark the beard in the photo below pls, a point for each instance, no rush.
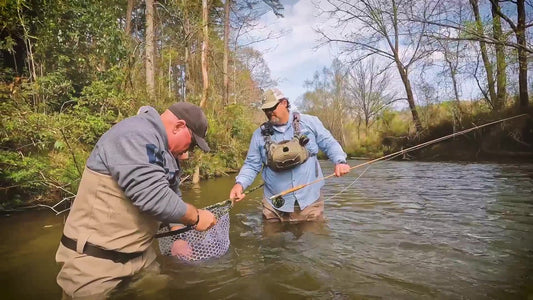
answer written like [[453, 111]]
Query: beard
[[275, 121]]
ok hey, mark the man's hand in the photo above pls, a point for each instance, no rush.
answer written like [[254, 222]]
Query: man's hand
[[236, 193], [341, 169], [206, 220]]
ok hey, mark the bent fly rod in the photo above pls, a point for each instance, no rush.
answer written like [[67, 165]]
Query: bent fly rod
[[403, 151]]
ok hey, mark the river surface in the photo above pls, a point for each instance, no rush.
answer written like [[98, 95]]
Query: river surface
[[398, 230]]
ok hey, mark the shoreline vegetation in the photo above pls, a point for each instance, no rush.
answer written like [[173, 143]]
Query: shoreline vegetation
[[43, 154], [71, 70]]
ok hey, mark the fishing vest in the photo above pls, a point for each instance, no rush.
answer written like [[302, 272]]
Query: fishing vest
[[286, 154], [103, 216]]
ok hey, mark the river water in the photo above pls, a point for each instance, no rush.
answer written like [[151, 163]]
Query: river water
[[398, 230]]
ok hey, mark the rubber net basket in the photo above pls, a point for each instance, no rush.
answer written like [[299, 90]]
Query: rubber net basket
[[193, 245]]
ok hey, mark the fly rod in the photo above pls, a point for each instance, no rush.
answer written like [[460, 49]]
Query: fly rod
[[403, 151]]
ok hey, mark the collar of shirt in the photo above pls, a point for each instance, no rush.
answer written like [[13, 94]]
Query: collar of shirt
[[284, 127]]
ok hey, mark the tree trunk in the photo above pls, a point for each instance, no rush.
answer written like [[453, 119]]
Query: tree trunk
[[410, 96], [128, 17], [187, 29], [522, 55], [457, 112], [501, 77], [227, 7], [484, 55], [343, 136], [234, 75], [150, 50], [196, 175], [359, 129], [205, 49]]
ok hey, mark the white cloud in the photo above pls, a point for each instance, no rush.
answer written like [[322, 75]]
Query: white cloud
[[293, 58]]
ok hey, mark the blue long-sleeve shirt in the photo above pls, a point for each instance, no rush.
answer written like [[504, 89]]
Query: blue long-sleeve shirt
[[276, 182]]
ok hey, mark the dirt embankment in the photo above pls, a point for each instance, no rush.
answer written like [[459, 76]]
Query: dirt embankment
[[507, 141]]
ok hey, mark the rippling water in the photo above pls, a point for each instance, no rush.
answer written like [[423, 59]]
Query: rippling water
[[398, 230]]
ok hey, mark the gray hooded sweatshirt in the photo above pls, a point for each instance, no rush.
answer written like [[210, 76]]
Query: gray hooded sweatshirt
[[134, 152]]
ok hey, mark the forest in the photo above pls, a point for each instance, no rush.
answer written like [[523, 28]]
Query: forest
[[70, 69]]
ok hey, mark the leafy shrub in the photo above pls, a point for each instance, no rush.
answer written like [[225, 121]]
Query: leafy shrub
[[21, 176]]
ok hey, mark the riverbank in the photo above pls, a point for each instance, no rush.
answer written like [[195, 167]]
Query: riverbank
[[510, 141]]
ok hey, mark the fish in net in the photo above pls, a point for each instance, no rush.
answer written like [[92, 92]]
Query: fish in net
[[191, 245]]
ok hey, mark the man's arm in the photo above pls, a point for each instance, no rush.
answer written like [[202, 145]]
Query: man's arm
[[329, 145], [326, 142], [143, 181]]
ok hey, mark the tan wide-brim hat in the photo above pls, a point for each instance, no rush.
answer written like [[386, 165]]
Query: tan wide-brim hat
[[272, 97]]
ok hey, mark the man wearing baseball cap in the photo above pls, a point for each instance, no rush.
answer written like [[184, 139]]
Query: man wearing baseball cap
[[194, 119], [285, 150], [129, 186]]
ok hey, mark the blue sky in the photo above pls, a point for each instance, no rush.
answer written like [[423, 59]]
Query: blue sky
[[292, 58]]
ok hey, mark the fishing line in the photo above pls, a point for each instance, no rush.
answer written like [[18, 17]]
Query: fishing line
[[356, 179], [392, 155], [348, 186]]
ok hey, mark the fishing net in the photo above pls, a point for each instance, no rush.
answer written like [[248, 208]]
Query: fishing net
[[191, 245]]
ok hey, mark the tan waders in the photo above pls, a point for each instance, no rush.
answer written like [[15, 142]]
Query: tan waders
[[314, 212], [105, 239]]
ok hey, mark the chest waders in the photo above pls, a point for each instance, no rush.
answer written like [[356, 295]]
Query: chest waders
[[286, 154]]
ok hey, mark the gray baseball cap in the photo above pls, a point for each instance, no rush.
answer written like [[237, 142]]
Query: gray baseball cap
[[272, 97], [195, 119]]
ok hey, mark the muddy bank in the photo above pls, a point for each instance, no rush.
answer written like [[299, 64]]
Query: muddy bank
[[504, 142]]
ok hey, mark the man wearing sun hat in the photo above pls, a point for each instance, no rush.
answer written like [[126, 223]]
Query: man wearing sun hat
[[285, 150], [129, 186]]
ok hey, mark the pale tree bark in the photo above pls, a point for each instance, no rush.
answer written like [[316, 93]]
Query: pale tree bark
[[250, 65], [500, 41], [150, 50], [186, 54], [244, 22], [29, 54], [339, 100], [452, 61], [454, 52], [129, 11], [205, 50], [327, 99], [501, 77], [227, 7], [404, 75], [380, 29], [520, 32], [369, 90], [491, 97]]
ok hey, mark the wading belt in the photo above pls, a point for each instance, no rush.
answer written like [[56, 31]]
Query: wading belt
[[93, 250]]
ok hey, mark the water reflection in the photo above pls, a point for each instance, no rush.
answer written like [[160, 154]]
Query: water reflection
[[402, 230]]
